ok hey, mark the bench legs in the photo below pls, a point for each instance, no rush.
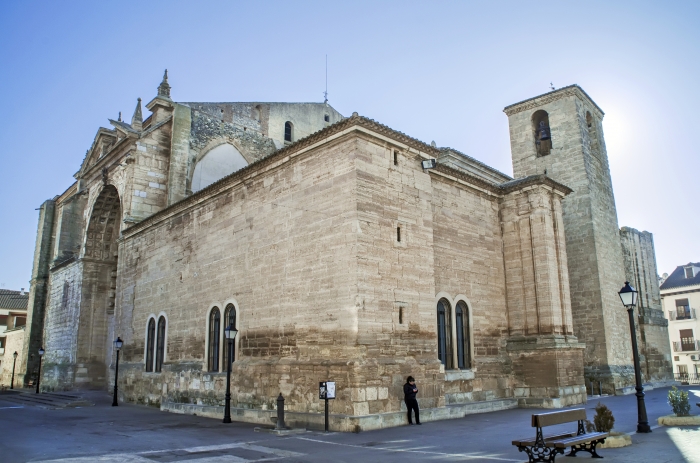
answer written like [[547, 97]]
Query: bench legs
[[540, 454], [589, 447]]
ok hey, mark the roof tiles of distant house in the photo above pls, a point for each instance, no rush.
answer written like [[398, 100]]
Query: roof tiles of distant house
[[13, 299], [678, 279]]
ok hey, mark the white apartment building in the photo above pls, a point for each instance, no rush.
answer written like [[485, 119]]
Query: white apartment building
[[680, 299]]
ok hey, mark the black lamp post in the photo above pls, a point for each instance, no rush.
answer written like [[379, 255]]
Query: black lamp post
[[118, 343], [230, 332], [12, 381], [628, 295], [38, 375]]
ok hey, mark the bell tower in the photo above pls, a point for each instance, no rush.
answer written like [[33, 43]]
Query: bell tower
[[560, 134]]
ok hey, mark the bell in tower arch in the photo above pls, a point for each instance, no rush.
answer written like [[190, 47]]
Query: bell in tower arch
[[543, 131]]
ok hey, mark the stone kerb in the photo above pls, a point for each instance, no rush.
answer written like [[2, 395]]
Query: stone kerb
[[673, 420]]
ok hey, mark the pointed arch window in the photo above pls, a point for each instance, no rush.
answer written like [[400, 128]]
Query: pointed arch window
[[444, 331], [288, 131], [160, 344], [150, 340], [463, 336], [214, 338], [230, 320]]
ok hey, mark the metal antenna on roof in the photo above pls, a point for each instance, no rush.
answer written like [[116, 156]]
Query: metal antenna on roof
[[325, 94]]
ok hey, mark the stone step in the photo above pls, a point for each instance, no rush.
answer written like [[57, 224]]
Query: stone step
[[49, 400]]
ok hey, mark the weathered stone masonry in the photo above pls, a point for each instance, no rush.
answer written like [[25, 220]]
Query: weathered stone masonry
[[334, 251]]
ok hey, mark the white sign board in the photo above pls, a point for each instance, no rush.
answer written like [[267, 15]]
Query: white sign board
[[326, 390]]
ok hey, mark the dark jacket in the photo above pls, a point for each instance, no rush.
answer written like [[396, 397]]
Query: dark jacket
[[408, 391]]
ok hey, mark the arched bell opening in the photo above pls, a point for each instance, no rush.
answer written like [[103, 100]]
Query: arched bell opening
[[96, 325], [542, 133]]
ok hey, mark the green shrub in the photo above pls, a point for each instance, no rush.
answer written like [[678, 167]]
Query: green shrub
[[603, 421], [679, 402]]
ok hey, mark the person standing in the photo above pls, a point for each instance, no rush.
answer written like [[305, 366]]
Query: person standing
[[409, 391]]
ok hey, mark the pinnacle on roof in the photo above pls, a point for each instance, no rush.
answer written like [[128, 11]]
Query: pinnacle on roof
[[164, 88], [137, 118], [120, 116]]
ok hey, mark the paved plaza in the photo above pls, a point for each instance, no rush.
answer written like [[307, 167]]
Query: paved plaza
[[44, 429]]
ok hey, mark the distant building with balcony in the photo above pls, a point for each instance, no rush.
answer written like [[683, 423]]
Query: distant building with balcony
[[13, 318], [680, 299]]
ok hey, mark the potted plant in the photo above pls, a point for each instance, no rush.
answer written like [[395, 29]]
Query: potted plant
[[678, 400], [603, 421]]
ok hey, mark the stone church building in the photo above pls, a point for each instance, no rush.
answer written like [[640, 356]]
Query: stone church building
[[337, 256]]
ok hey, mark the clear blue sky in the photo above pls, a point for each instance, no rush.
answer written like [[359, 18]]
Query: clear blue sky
[[438, 71]]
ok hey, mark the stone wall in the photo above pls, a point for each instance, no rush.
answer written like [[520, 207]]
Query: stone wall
[[652, 326], [39, 288], [468, 266], [278, 245], [14, 342]]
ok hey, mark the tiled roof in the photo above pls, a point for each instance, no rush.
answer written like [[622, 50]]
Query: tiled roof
[[475, 161], [13, 299], [678, 279]]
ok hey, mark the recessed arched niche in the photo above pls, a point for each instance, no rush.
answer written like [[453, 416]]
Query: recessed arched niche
[[216, 164]]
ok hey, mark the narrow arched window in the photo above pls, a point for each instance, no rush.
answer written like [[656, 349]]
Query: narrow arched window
[[444, 333], [288, 128], [463, 337], [150, 340], [592, 134], [542, 132], [230, 320], [214, 333], [160, 344]]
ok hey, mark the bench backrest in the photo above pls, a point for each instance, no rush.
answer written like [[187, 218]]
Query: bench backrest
[[549, 419]]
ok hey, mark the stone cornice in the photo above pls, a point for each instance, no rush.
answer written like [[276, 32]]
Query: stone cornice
[[540, 179], [114, 155], [571, 90], [503, 188], [471, 180]]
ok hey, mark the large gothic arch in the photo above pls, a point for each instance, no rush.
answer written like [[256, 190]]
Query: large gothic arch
[[219, 158], [99, 261]]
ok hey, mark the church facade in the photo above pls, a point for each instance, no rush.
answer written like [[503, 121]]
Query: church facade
[[337, 256]]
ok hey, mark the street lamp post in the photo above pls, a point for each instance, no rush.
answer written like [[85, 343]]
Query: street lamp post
[[12, 381], [628, 295], [38, 375], [230, 333], [118, 343]]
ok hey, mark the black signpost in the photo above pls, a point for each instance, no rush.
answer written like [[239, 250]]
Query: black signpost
[[326, 391]]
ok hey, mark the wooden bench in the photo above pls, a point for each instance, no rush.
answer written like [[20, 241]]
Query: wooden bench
[[546, 448]]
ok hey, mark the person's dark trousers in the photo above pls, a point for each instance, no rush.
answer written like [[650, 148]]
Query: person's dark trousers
[[412, 404]]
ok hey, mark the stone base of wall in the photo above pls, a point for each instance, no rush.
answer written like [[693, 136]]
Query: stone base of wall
[[339, 422], [650, 386], [67, 376], [548, 371], [614, 379], [563, 397]]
